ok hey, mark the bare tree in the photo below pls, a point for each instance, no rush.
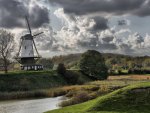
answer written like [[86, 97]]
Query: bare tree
[[6, 47]]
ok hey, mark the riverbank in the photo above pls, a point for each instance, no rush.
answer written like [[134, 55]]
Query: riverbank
[[34, 84], [43, 84], [131, 99]]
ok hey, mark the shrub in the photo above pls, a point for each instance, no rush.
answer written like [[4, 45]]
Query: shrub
[[66, 103], [93, 95], [61, 69], [94, 88], [80, 97], [103, 89], [71, 77], [71, 93]]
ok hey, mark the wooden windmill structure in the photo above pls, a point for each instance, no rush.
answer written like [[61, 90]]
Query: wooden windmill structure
[[28, 54]]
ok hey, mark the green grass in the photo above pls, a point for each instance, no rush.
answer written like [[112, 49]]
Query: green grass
[[125, 100], [28, 72], [34, 80], [34, 84], [28, 81]]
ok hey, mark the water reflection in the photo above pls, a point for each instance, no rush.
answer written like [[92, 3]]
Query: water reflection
[[30, 106]]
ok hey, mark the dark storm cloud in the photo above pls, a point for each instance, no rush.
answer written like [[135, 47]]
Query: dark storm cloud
[[39, 16], [100, 23], [116, 7], [10, 10], [108, 46], [12, 14], [122, 22], [108, 39]]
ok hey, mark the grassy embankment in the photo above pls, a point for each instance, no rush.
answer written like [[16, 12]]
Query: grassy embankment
[[16, 85], [19, 85], [131, 99], [91, 90]]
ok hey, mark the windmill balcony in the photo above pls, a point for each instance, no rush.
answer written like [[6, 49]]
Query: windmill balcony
[[32, 67]]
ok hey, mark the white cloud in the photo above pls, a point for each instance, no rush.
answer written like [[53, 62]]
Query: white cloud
[[82, 32]]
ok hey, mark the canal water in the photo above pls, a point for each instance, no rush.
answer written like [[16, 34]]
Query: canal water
[[30, 106]]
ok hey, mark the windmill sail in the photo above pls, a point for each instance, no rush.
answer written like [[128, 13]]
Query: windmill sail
[[28, 24]]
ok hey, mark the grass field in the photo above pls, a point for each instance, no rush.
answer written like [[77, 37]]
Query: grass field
[[130, 77], [131, 99]]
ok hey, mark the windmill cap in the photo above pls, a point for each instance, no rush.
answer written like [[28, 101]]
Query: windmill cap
[[27, 37]]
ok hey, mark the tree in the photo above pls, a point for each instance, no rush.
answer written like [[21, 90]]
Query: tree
[[93, 65], [6, 47]]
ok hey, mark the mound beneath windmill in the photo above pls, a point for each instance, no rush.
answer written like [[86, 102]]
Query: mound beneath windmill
[[131, 99]]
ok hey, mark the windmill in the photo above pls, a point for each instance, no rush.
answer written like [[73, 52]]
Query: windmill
[[28, 54]]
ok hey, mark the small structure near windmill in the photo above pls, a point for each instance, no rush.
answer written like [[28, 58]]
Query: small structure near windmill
[[28, 54]]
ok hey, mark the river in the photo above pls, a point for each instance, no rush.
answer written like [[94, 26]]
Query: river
[[30, 106]]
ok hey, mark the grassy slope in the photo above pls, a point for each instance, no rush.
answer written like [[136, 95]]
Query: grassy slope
[[121, 101], [34, 84], [26, 81], [33, 80]]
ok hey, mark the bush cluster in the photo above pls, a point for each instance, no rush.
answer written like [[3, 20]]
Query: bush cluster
[[70, 76], [138, 71]]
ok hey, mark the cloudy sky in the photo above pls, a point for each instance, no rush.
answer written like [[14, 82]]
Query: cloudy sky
[[73, 26]]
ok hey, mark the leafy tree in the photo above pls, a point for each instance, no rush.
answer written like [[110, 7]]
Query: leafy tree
[[6, 47], [93, 65], [108, 63]]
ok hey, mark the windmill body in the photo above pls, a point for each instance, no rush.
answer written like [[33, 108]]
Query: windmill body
[[28, 54], [27, 51], [27, 46]]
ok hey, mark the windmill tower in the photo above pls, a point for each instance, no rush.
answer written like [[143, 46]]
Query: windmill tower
[[28, 54]]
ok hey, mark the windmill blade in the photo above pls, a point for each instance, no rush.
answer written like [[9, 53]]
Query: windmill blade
[[37, 34], [36, 49], [28, 25]]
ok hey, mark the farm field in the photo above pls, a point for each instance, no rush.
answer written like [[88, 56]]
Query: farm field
[[131, 77], [122, 80]]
